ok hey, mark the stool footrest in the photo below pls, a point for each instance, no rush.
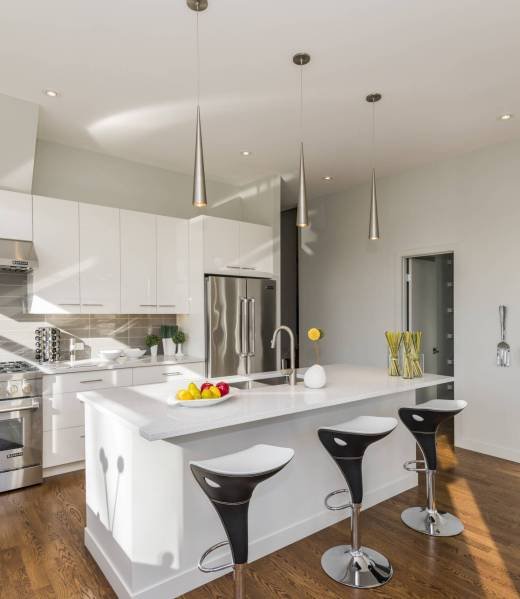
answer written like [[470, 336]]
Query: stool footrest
[[205, 555], [335, 508], [408, 466]]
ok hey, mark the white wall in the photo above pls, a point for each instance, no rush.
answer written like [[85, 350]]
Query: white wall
[[74, 174], [18, 127], [351, 287]]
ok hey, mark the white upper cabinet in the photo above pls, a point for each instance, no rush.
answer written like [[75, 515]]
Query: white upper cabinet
[[138, 263], [221, 240], [235, 247], [16, 215], [256, 249], [100, 259], [55, 279], [172, 265]]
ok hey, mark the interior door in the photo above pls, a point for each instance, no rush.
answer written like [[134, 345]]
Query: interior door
[[226, 325], [261, 296]]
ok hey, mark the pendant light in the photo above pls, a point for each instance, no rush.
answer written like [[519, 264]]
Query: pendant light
[[199, 199], [373, 226], [302, 213]]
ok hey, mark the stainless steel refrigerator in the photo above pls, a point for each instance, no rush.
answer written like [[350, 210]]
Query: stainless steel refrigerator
[[240, 320]]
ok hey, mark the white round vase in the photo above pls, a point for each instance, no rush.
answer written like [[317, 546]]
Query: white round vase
[[315, 377]]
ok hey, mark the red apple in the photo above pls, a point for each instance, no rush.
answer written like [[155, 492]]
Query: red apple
[[205, 385], [223, 388]]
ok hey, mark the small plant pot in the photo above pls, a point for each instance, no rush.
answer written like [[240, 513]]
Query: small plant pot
[[178, 353], [153, 351]]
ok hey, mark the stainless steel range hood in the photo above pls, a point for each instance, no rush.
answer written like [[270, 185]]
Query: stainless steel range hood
[[16, 255]]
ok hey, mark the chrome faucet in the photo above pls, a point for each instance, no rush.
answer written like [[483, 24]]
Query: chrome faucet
[[292, 374]]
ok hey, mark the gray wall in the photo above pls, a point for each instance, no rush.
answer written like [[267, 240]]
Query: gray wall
[[352, 287], [18, 127]]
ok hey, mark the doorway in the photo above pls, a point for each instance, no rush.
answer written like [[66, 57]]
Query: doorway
[[429, 307]]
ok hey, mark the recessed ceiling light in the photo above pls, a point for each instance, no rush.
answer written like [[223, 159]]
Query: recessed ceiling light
[[51, 93], [505, 117], [245, 153], [327, 178]]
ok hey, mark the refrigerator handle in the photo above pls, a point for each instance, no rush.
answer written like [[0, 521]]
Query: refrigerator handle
[[244, 349], [252, 331]]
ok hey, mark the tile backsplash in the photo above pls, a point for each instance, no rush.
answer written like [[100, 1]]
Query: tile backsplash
[[97, 331]]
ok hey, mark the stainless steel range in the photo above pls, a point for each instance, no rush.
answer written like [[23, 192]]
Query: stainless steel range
[[20, 425]]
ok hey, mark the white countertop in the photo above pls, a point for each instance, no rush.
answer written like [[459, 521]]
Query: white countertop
[[99, 364], [146, 408]]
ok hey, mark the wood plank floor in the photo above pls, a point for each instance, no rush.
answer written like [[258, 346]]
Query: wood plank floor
[[42, 553]]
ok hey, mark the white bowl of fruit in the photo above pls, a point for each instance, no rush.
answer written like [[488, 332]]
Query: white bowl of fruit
[[208, 394]]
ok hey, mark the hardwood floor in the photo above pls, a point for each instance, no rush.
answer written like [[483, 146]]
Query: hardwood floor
[[42, 553]]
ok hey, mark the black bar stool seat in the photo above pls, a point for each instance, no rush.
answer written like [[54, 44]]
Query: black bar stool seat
[[229, 482], [423, 422], [354, 565]]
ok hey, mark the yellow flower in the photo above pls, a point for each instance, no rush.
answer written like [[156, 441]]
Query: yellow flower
[[314, 334]]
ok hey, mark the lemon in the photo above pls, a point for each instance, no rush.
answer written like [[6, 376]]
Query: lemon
[[314, 334], [184, 395], [206, 394], [194, 390], [215, 391]]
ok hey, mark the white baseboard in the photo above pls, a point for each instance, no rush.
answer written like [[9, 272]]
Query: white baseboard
[[63, 469], [497, 451], [192, 578]]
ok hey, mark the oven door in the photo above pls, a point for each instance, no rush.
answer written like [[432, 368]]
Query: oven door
[[20, 433]]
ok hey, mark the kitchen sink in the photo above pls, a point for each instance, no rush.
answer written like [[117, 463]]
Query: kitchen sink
[[259, 383]]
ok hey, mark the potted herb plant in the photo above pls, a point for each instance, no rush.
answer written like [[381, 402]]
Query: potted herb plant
[[152, 341], [179, 337]]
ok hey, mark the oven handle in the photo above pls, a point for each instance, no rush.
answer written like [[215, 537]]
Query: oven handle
[[33, 406]]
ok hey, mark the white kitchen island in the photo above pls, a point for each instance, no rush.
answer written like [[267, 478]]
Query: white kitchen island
[[148, 522]]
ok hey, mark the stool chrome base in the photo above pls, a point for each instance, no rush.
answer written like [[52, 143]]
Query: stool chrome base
[[432, 522], [364, 570]]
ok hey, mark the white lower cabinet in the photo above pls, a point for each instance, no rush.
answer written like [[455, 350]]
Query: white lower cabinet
[[63, 446], [63, 413], [169, 372]]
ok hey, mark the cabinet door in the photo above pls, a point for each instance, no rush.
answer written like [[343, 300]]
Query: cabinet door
[[99, 253], [172, 265], [138, 263], [15, 215], [256, 249], [55, 279], [221, 246]]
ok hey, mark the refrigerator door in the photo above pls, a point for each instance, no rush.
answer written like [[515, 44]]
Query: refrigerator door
[[226, 326], [261, 299]]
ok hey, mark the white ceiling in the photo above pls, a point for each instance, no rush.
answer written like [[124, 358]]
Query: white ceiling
[[125, 70]]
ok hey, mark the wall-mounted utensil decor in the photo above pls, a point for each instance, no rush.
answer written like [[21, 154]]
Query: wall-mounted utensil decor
[[503, 349]]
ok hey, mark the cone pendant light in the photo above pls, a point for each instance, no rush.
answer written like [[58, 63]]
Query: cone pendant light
[[373, 225], [302, 213], [199, 199]]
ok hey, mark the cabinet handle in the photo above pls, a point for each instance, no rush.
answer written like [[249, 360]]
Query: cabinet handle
[[82, 436], [233, 267], [249, 267], [93, 381], [167, 305], [69, 304], [172, 373], [148, 305], [93, 304]]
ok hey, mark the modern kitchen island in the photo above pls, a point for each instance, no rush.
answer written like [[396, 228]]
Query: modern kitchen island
[[148, 521]]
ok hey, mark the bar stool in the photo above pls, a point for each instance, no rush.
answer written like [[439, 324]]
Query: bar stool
[[354, 565], [423, 422], [229, 482]]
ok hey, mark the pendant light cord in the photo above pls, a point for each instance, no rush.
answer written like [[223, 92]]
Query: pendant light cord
[[301, 102], [373, 135], [198, 60]]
